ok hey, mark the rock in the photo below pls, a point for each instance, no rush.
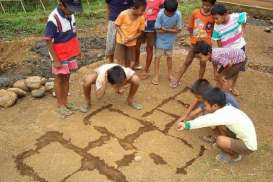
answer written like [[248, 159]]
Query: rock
[[100, 55], [49, 86], [33, 82], [51, 79], [21, 85], [19, 92], [138, 158], [43, 81], [267, 29], [38, 93], [271, 21], [7, 98]]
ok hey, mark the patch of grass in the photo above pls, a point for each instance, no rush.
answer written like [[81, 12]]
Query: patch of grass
[[19, 24]]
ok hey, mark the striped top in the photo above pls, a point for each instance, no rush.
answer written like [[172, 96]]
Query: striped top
[[231, 33], [227, 56]]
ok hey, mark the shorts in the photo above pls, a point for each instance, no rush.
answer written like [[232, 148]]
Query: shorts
[[111, 38], [67, 67], [125, 53], [234, 70], [163, 52], [150, 26], [149, 38], [239, 147]]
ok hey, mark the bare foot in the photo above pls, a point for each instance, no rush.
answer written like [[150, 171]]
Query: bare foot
[[235, 92], [155, 81], [144, 76]]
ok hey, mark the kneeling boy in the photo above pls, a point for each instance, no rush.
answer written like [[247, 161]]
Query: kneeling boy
[[118, 76]]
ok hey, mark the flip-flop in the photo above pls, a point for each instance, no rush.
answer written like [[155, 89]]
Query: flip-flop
[[63, 111], [136, 106], [85, 108], [72, 106], [137, 68], [155, 82], [144, 76], [225, 158]]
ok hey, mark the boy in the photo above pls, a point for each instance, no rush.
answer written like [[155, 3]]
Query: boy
[[167, 25], [114, 8], [63, 46], [198, 88], [130, 25], [229, 30], [237, 133], [152, 9], [200, 27], [227, 63], [117, 76]]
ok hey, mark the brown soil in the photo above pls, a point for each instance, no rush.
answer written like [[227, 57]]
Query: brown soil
[[257, 3], [37, 145]]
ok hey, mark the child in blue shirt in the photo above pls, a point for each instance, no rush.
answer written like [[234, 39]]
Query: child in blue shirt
[[167, 25]]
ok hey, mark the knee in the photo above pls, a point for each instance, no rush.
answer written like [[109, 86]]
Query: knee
[[220, 140], [135, 80], [149, 48]]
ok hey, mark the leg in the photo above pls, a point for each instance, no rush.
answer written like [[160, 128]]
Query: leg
[[110, 41], [87, 84], [66, 89], [170, 66], [149, 49], [234, 81], [59, 89], [224, 143], [137, 53], [131, 56], [202, 69], [120, 54], [134, 82], [155, 80]]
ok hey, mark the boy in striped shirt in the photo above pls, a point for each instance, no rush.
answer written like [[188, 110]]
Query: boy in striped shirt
[[229, 31]]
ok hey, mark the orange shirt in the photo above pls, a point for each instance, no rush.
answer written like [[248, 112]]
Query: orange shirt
[[202, 26], [129, 27]]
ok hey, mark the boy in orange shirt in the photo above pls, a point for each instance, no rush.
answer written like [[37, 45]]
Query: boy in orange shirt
[[130, 25], [200, 26]]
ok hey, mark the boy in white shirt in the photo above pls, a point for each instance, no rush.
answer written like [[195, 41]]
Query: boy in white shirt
[[236, 132], [118, 76]]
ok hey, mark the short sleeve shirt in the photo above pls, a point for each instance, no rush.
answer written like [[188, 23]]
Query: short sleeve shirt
[[129, 27], [102, 70], [202, 26], [231, 33], [226, 56], [117, 6], [166, 40], [152, 9]]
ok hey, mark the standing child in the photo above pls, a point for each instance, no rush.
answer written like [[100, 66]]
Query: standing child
[[200, 27], [114, 8], [229, 32], [130, 25], [227, 63], [167, 25], [117, 76], [64, 46], [152, 10], [237, 135]]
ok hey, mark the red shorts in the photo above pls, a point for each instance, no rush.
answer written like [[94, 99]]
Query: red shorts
[[67, 67]]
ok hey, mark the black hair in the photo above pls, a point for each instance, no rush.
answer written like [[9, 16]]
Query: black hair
[[200, 86], [171, 5], [116, 75], [202, 47], [139, 3], [212, 2], [219, 9], [215, 96]]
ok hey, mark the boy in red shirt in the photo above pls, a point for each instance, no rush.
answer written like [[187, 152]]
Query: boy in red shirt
[[200, 26]]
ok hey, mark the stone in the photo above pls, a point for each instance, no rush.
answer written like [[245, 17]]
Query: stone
[[100, 55], [4, 82], [38, 93], [33, 82], [7, 98], [271, 21], [267, 29], [49, 86], [51, 79], [21, 85], [19, 92], [43, 81], [138, 158]]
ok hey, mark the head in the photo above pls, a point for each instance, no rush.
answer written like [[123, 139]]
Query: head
[[202, 50], [214, 99], [199, 87], [139, 7], [219, 13], [70, 6], [116, 76], [170, 7], [207, 5]]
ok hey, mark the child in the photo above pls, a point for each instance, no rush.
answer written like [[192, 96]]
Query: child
[[227, 63], [114, 8], [130, 25], [152, 10], [200, 27], [197, 108], [167, 25], [229, 31], [237, 133], [117, 76], [64, 46]]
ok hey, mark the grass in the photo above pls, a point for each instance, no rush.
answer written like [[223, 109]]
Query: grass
[[16, 23]]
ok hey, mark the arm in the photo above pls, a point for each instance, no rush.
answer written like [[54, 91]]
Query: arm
[[219, 43], [170, 30], [122, 34], [191, 24], [134, 37], [178, 26], [189, 110], [56, 61], [101, 91]]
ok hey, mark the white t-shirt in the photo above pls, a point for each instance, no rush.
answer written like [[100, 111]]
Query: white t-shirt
[[101, 71]]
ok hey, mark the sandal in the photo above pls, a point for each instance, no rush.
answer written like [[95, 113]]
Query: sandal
[[137, 68], [85, 108], [64, 111], [72, 106], [225, 158], [144, 76], [155, 82], [136, 106]]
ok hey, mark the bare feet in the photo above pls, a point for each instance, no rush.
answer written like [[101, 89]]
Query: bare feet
[[155, 81], [234, 91], [144, 76]]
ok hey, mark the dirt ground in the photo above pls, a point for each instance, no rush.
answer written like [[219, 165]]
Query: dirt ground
[[257, 3], [117, 143]]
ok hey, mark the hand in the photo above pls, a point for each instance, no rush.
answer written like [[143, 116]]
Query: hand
[[57, 64], [180, 126], [125, 40], [182, 119]]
